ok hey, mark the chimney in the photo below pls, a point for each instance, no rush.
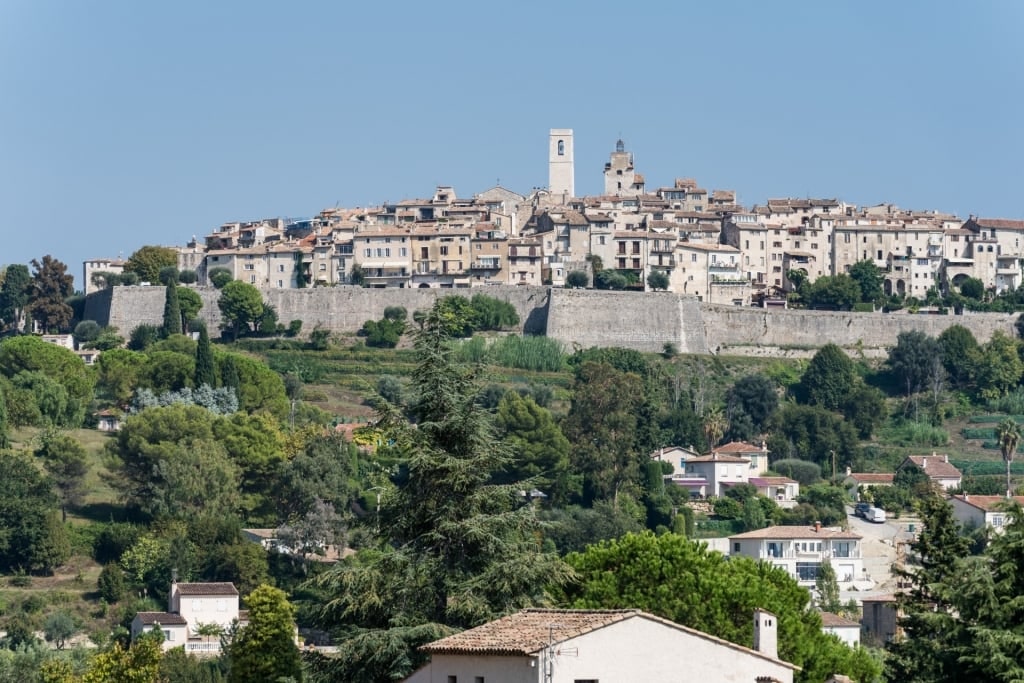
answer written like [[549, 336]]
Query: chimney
[[848, 471], [766, 638], [924, 463], [817, 527], [945, 457]]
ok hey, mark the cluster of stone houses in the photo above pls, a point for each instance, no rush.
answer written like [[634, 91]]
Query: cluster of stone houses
[[706, 243]]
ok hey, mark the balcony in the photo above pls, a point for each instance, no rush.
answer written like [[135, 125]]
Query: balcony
[[203, 647], [486, 264]]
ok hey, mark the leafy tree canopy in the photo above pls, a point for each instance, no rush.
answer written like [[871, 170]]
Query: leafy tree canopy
[[682, 580], [147, 262]]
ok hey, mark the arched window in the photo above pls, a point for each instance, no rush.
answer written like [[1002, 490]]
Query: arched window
[[561, 148]]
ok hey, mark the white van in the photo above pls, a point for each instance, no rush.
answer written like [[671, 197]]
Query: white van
[[876, 515]]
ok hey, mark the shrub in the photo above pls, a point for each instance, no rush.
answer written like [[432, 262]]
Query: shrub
[[188, 277], [577, 279], [294, 328], [111, 583], [320, 339], [143, 336], [219, 277]]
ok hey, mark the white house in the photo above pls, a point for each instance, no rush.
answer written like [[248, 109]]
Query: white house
[[719, 471], [573, 646], [677, 456], [844, 629], [855, 481], [801, 550], [982, 511], [190, 606], [783, 490], [937, 467], [757, 455]]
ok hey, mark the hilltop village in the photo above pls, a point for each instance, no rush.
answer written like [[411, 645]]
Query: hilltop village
[[678, 237]]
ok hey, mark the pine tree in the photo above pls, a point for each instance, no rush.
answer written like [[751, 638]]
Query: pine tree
[[457, 549], [206, 372], [172, 311], [928, 614]]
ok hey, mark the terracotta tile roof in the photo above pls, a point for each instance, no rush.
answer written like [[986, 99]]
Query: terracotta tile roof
[[715, 457], [530, 631], [935, 466], [987, 503], [213, 588], [828, 619], [738, 447], [1004, 223], [872, 477], [163, 618], [701, 246], [797, 532]]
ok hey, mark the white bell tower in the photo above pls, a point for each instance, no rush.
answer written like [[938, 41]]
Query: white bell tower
[[561, 174]]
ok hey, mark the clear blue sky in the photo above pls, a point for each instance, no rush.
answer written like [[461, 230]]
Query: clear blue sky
[[125, 123]]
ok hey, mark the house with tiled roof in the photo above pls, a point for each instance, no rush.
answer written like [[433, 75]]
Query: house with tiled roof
[[710, 475], [802, 550], [846, 630], [976, 512], [856, 481], [190, 606], [937, 467], [570, 646], [756, 454]]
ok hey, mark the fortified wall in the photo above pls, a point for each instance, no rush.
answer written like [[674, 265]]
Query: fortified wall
[[635, 320]]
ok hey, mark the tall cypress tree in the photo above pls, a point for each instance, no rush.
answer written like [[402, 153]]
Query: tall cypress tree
[[5, 439], [172, 311], [206, 373]]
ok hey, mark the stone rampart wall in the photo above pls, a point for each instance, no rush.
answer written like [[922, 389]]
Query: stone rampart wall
[[642, 321]]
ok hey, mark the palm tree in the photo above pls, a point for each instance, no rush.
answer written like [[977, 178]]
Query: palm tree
[[715, 426], [1008, 436]]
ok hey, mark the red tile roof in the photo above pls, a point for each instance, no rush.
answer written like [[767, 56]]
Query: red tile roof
[[987, 503], [828, 619], [872, 477], [738, 447], [164, 618], [531, 630], [935, 466]]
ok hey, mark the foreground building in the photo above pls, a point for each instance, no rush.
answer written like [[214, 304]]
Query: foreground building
[[576, 646]]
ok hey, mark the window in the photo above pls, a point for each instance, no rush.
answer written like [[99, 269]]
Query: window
[[323, 267], [478, 679], [561, 148], [453, 679], [693, 258], [367, 252], [168, 634], [252, 279], [842, 550], [736, 547], [280, 268], [600, 239], [807, 571], [403, 252], [250, 266], [444, 251], [636, 264], [998, 521], [280, 283]]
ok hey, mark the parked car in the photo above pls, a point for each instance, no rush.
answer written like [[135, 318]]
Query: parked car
[[861, 509], [876, 515]]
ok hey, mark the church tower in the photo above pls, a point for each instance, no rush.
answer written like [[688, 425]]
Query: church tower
[[620, 177], [561, 174]]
